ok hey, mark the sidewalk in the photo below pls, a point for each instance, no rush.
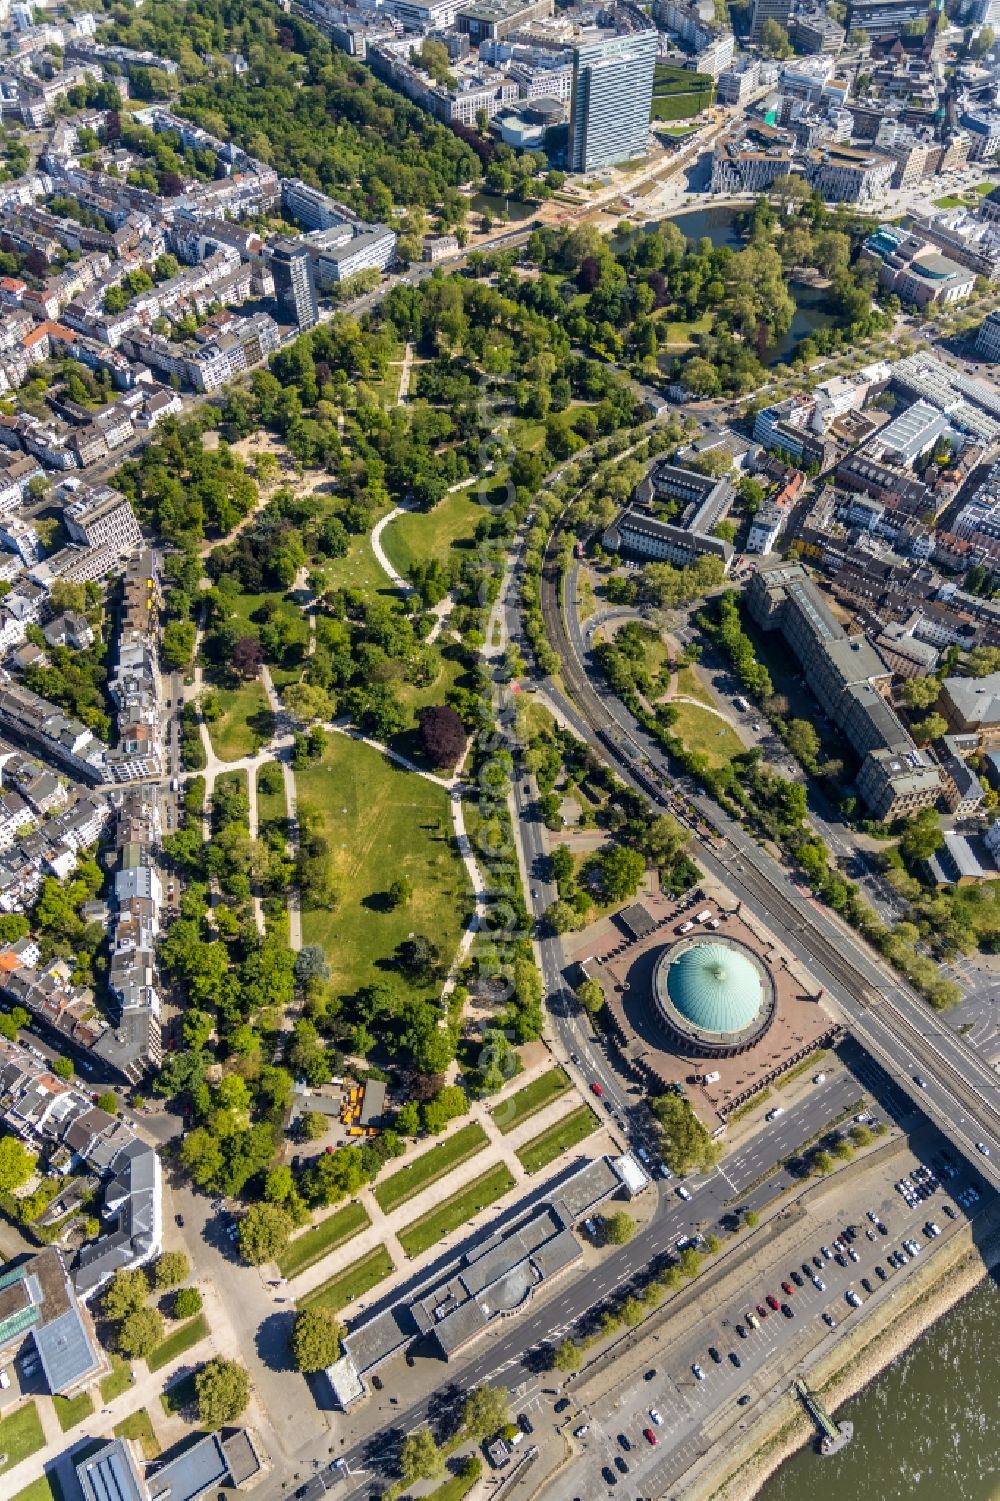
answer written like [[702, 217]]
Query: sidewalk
[[499, 1149]]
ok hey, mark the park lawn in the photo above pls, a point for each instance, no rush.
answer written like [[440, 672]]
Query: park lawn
[[430, 1166], [45, 1488], [690, 685], [73, 1410], [445, 531], [949, 201], [548, 1145], [175, 1344], [271, 807], [984, 189], [305, 1250], [241, 727], [139, 1426], [357, 569], [436, 692], [119, 1381], [680, 335], [458, 1210], [380, 822], [353, 1282], [457, 1486], [707, 734], [532, 1098], [20, 1435]]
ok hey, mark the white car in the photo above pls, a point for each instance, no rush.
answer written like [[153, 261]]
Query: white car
[[656, 1417], [852, 1253], [983, 1148], [853, 1298], [772, 1115], [685, 1193], [582, 1431], [698, 1373], [819, 1284], [819, 1078]]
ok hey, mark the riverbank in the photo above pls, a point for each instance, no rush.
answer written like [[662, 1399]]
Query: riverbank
[[949, 1276]]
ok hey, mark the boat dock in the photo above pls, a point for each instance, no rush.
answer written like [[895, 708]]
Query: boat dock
[[832, 1436]]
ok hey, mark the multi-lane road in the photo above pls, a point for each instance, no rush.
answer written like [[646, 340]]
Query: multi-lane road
[[961, 1092], [505, 1356]]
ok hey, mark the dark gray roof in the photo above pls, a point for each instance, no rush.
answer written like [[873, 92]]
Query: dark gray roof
[[192, 1472]]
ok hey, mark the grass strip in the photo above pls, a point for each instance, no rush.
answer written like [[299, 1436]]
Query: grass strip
[[175, 1344], [139, 1427], [532, 1098], [802, 1067], [119, 1381], [569, 1132], [20, 1436], [353, 1282], [458, 1210], [73, 1410], [430, 1166], [45, 1488], [316, 1243]]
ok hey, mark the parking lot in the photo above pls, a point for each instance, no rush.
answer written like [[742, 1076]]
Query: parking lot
[[832, 1273]]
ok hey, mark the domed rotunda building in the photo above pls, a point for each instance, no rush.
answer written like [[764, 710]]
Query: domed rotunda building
[[714, 996]]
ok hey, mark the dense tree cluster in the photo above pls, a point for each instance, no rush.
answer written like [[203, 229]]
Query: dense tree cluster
[[305, 107]]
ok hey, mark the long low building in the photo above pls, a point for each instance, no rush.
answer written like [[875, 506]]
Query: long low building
[[846, 674], [705, 501], [491, 1280]]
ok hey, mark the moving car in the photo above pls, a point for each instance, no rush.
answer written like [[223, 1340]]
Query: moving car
[[772, 1115], [982, 1147], [595, 1088], [920, 1081], [685, 1193]]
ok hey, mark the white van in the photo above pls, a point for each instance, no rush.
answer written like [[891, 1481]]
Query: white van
[[685, 927], [685, 1193], [712, 1078], [703, 915], [772, 1115]]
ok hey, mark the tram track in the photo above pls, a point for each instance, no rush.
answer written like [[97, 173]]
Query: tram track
[[872, 997]]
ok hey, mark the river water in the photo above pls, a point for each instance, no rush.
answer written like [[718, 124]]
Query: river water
[[927, 1429]]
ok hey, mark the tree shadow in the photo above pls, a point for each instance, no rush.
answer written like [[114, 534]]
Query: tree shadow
[[272, 1341], [378, 901], [444, 1411]]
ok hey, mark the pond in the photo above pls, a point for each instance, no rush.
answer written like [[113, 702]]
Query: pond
[[495, 204], [721, 226]]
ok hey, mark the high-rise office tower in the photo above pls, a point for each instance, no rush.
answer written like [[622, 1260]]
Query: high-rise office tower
[[294, 283], [612, 95]]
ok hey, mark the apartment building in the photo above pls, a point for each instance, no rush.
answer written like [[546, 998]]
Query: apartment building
[[848, 678], [103, 517]]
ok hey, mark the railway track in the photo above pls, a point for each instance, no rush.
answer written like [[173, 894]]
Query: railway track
[[869, 992]]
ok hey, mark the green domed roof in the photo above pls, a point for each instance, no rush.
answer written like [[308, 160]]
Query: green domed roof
[[715, 987]]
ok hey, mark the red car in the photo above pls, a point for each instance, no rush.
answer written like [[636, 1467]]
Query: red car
[[650, 1437], [596, 1088], [762, 1310], [786, 1287], [772, 1302]]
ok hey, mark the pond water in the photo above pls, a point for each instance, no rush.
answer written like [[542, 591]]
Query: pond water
[[721, 226], [496, 204]]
